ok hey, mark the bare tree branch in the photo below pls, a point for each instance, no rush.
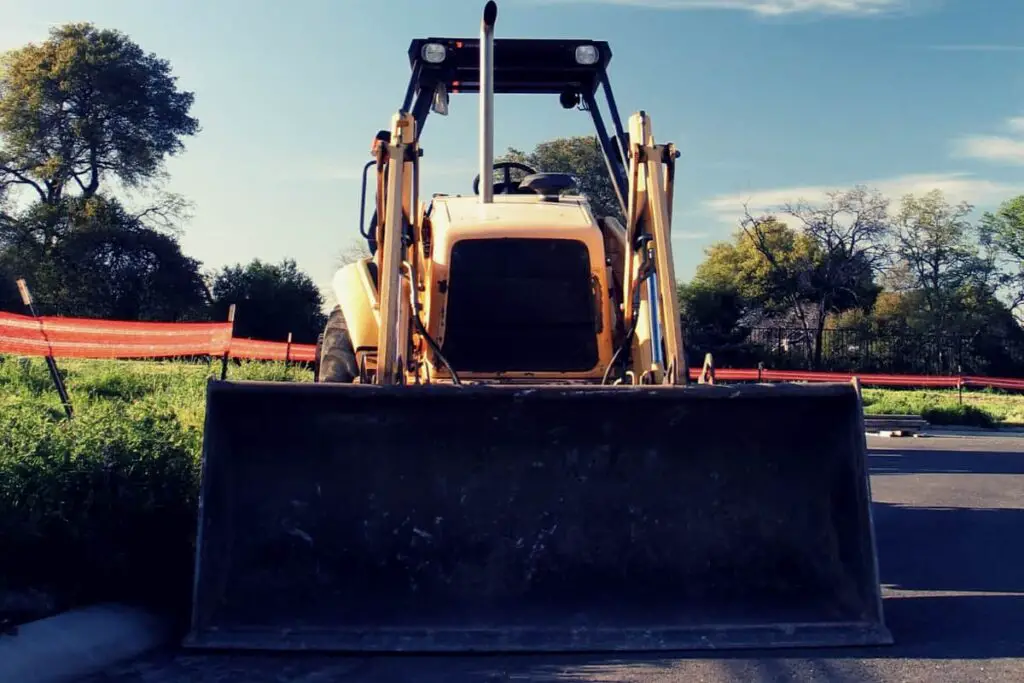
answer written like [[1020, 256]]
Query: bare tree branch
[[19, 179], [166, 214]]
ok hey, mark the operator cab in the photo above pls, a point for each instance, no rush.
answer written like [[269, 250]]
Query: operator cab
[[548, 185], [569, 70]]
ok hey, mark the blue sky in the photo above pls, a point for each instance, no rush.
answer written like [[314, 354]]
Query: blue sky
[[768, 100]]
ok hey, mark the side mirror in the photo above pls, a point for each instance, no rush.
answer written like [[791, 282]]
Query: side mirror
[[440, 103]]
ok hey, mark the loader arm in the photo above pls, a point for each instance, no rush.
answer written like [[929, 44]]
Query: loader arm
[[651, 306], [397, 192]]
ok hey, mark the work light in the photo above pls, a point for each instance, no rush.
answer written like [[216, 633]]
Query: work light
[[586, 55], [433, 53]]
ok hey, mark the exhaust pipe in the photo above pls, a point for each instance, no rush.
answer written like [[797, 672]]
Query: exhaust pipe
[[487, 102]]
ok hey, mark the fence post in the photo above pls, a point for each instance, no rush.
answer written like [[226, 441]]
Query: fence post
[[227, 351], [288, 352], [960, 384], [26, 298], [707, 373]]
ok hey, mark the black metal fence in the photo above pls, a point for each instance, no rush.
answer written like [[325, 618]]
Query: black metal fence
[[847, 350]]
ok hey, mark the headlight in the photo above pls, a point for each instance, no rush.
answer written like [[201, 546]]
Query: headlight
[[586, 55], [433, 53]]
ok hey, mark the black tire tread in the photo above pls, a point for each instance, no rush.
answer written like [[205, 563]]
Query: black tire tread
[[336, 357]]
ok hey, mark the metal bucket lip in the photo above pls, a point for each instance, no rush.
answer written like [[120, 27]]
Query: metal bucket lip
[[568, 390], [657, 638]]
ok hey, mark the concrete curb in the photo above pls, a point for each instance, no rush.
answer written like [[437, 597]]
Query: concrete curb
[[78, 643], [937, 430]]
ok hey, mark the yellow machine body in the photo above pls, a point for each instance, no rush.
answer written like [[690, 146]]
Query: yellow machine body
[[503, 451], [509, 219]]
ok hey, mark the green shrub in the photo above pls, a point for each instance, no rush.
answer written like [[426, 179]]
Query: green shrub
[[26, 376], [959, 414], [270, 372], [103, 507], [124, 384], [99, 507], [940, 407]]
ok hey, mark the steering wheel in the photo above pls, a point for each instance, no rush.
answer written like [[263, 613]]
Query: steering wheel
[[507, 186]]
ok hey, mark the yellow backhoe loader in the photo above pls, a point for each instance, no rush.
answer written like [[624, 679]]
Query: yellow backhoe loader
[[503, 450]]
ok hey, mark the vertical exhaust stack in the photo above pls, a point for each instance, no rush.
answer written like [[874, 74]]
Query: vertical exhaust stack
[[487, 102]]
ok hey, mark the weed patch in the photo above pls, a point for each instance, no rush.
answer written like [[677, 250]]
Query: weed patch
[[943, 407]]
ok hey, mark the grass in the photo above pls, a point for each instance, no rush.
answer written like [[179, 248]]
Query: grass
[[986, 408], [113, 493]]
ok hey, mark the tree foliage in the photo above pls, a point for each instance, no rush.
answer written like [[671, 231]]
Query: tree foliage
[[271, 299], [713, 318], [851, 262], [764, 282], [820, 261], [84, 110], [92, 258], [85, 105], [937, 256], [1003, 233]]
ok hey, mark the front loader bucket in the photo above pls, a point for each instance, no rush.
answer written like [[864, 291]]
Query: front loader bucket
[[454, 519]]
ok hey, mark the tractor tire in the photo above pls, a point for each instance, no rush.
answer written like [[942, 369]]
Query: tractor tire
[[336, 358], [316, 357]]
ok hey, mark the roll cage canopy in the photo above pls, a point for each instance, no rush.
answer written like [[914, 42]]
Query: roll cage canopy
[[572, 69], [528, 66]]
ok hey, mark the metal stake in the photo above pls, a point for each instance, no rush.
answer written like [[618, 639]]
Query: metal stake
[[227, 351], [26, 298]]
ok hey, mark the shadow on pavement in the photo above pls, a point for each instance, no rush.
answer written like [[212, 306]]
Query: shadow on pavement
[[951, 549]]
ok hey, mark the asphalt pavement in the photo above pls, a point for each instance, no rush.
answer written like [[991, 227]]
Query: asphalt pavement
[[949, 517]]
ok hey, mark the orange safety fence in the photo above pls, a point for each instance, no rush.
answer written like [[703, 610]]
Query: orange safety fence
[[255, 349], [866, 379], [90, 338]]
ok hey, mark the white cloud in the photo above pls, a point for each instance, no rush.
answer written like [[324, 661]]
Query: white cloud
[[1006, 149], [992, 148], [764, 7], [956, 186]]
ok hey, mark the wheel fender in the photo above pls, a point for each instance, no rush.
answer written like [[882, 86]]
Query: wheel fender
[[356, 294]]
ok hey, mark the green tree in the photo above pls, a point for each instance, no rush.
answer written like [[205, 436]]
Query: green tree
[[713, 321], [580, 156], [824, 261], [272, 300], [765, 283], [937, 255], [1003, 233], [86, 105], [84, 110], [803, 266], [92, 258]]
